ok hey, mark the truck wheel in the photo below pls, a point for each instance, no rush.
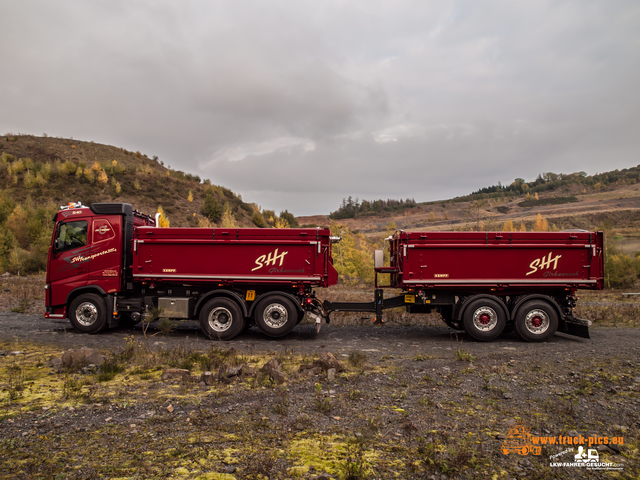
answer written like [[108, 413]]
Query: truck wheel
[[221, 319], [276, 315], [484, 319], [536, 321], [88, 313]]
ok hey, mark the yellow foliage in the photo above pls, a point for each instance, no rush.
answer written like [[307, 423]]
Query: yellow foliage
[[523, 228], [203, 222], [281, 223], [96, 167], [541, 224], [190, 197], [537, 198], [118, 188], [89, 175], [136, 185], [228, 220], [432, 217], [163, 221], [102, 177], [508, 226], [353, 257], [18, 223]]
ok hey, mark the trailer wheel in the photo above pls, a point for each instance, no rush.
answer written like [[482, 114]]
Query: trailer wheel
[[484, 319], [536, 321], [276, 316], [88, 313], [221, 319]]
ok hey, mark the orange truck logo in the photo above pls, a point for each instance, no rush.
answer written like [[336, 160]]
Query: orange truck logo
[[519, 441]]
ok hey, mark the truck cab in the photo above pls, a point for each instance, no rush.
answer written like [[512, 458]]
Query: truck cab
[[88, 254]]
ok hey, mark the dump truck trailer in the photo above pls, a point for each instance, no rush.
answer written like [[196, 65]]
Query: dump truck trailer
[[486, 282], [109, 264]]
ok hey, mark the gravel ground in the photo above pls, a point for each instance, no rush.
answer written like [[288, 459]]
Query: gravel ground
[[427, 402]]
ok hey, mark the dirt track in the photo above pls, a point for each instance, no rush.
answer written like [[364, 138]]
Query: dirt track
[[401, 340]]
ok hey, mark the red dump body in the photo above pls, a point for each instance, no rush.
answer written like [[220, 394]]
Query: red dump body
[[496, 261], [296, 256]]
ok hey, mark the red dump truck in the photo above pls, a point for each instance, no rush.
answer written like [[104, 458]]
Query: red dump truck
[[109, 264]]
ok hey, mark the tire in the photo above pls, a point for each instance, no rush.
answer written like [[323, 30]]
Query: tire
[[221, 319], [484, 319], [536, 321], [276, 315], [88, 313]]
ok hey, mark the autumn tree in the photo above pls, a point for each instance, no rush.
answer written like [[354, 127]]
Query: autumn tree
[[541, 224], [228, 219], [163, 221]]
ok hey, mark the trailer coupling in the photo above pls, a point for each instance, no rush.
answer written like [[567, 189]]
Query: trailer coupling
[[379, 303]]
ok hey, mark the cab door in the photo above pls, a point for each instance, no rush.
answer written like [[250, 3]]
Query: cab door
[[106, 253], [69, 265]]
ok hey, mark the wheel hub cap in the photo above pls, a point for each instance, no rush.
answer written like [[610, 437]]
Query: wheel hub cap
[[485, 319], [537, 321], [86, 314], [220, 319], [275, 315]]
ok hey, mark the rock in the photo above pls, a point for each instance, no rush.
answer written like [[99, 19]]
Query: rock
[[272, 368], [309, 370], [327, 361], [108, 419], [510, 422], [228, 469], [81, 357], [607, 449], [507, 396], [234, 372], [331, 374], [6, 275], [15, 353], [180, 373], [573, 433], [54, 362], [207, 378], [170, 408]]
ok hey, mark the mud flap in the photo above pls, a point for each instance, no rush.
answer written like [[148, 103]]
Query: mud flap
[[576, 326]]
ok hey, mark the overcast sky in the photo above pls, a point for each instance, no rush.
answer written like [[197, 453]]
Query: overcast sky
[[298, 104]]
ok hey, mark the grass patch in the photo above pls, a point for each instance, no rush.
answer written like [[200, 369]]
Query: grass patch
[[464, 356], [357, 358]]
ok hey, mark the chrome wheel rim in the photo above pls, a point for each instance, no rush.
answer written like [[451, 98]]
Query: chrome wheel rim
[[485, 319], [537, 321], [220, 319], [275, 315], [86, 314]]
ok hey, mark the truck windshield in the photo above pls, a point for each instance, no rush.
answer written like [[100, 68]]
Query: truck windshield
[[71, 235]]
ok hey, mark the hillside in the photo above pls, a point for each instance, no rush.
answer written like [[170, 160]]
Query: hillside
[[573, 204], [46, 169], [38, 174]]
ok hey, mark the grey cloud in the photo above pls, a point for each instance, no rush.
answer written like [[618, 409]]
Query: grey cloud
[[298, 104]]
